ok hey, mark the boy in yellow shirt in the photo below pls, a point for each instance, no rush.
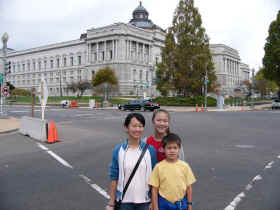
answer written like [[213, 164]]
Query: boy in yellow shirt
[[172, 178]]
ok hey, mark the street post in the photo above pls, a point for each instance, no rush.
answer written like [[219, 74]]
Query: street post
[[5, 38]]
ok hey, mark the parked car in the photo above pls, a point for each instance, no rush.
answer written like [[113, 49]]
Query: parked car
[[276, 104], [139, 104]]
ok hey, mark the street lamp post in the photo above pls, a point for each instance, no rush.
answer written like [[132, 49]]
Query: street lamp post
[[205, 91], [5, 38]]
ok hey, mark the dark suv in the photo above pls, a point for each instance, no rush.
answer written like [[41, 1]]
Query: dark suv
[[139, 104]]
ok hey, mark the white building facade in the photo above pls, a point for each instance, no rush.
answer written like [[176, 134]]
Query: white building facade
[[132, 50], [230, 71]]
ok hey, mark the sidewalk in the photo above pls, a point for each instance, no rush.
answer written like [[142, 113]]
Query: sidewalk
[[8, 125]]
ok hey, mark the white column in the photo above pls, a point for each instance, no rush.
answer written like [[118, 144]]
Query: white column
[[143, 52], [116, 46], [97, 51], [113, 49], [105, 50], [129, 48], [137, 51]]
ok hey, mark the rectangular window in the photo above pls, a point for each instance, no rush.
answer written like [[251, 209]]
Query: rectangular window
[[147, 76], [79, 60], [102, 55], [28, 66], [95, 56], [64, 61], [23, 67], [72, 61], [111, 54], [45, 64], [39, 65], [34, 66], [57, 62], [51, 64]]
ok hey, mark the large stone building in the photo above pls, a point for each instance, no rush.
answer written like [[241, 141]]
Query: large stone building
[[131, 49], [230, 71]]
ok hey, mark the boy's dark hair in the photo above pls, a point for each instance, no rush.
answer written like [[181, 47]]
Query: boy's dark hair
[[171, 138], [138, 116]]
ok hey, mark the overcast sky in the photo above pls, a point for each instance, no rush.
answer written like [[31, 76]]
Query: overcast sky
[[240, 24]]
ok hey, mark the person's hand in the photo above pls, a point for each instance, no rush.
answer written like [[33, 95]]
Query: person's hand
[[109, 207]]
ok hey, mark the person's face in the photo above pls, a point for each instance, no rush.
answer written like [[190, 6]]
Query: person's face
[[161, 122], [171, 151], [135, 129]]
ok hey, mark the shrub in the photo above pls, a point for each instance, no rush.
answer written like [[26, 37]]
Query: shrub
[[185, 101]]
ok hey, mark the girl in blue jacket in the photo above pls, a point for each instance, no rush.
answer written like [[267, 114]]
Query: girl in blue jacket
[[125, 156]]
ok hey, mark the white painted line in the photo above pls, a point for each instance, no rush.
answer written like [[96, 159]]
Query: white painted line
[[278, 156], [95, 186], [42, 147], [249, 187], [82, 115], [257, 178], [100, 190], [59, 159], [269, 165], [235, 201]]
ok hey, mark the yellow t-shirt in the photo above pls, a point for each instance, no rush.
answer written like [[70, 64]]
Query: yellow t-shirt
[[172, 179]]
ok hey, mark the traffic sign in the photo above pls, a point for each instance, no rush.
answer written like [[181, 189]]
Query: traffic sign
[[5, 90], [1, 78]]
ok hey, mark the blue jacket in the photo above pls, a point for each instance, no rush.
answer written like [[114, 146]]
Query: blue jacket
[[117, 166]]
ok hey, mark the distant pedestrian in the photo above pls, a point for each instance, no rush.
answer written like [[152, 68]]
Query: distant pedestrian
[[125, 157], [161, 121], [172, 178]]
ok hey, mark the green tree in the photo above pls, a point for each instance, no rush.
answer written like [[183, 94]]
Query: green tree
[[79, 87], [186, 56], [105, 76], [11, 86], [263, 85], [20, 92], [271, 60]]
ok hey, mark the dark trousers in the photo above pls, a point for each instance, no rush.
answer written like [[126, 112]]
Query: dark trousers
[[164, 204], [134, 206]]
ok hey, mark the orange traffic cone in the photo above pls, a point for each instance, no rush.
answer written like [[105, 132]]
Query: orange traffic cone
[[242, 108], [202, 108], [196, 108], [52, 133]]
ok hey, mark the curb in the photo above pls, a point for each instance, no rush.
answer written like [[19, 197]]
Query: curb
[[9, 131]]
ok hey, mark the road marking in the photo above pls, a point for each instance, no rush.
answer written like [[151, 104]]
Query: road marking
[[83, 115], [55, 156], [95, 186], [269, 165], [245, 146], [59, 159], [66, 164], [278, 156], [23, 111], [257, 178], [242, 195], [235, 201]]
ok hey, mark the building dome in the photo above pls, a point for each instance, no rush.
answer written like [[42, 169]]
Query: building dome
[[141, 18]]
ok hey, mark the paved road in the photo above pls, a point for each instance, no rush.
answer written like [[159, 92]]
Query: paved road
[[233, 155]]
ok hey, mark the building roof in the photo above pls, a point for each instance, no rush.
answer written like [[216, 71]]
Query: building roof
[[140, 19]]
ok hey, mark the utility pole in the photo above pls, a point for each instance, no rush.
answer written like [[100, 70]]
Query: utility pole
[[5, 38], [205, 90]]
